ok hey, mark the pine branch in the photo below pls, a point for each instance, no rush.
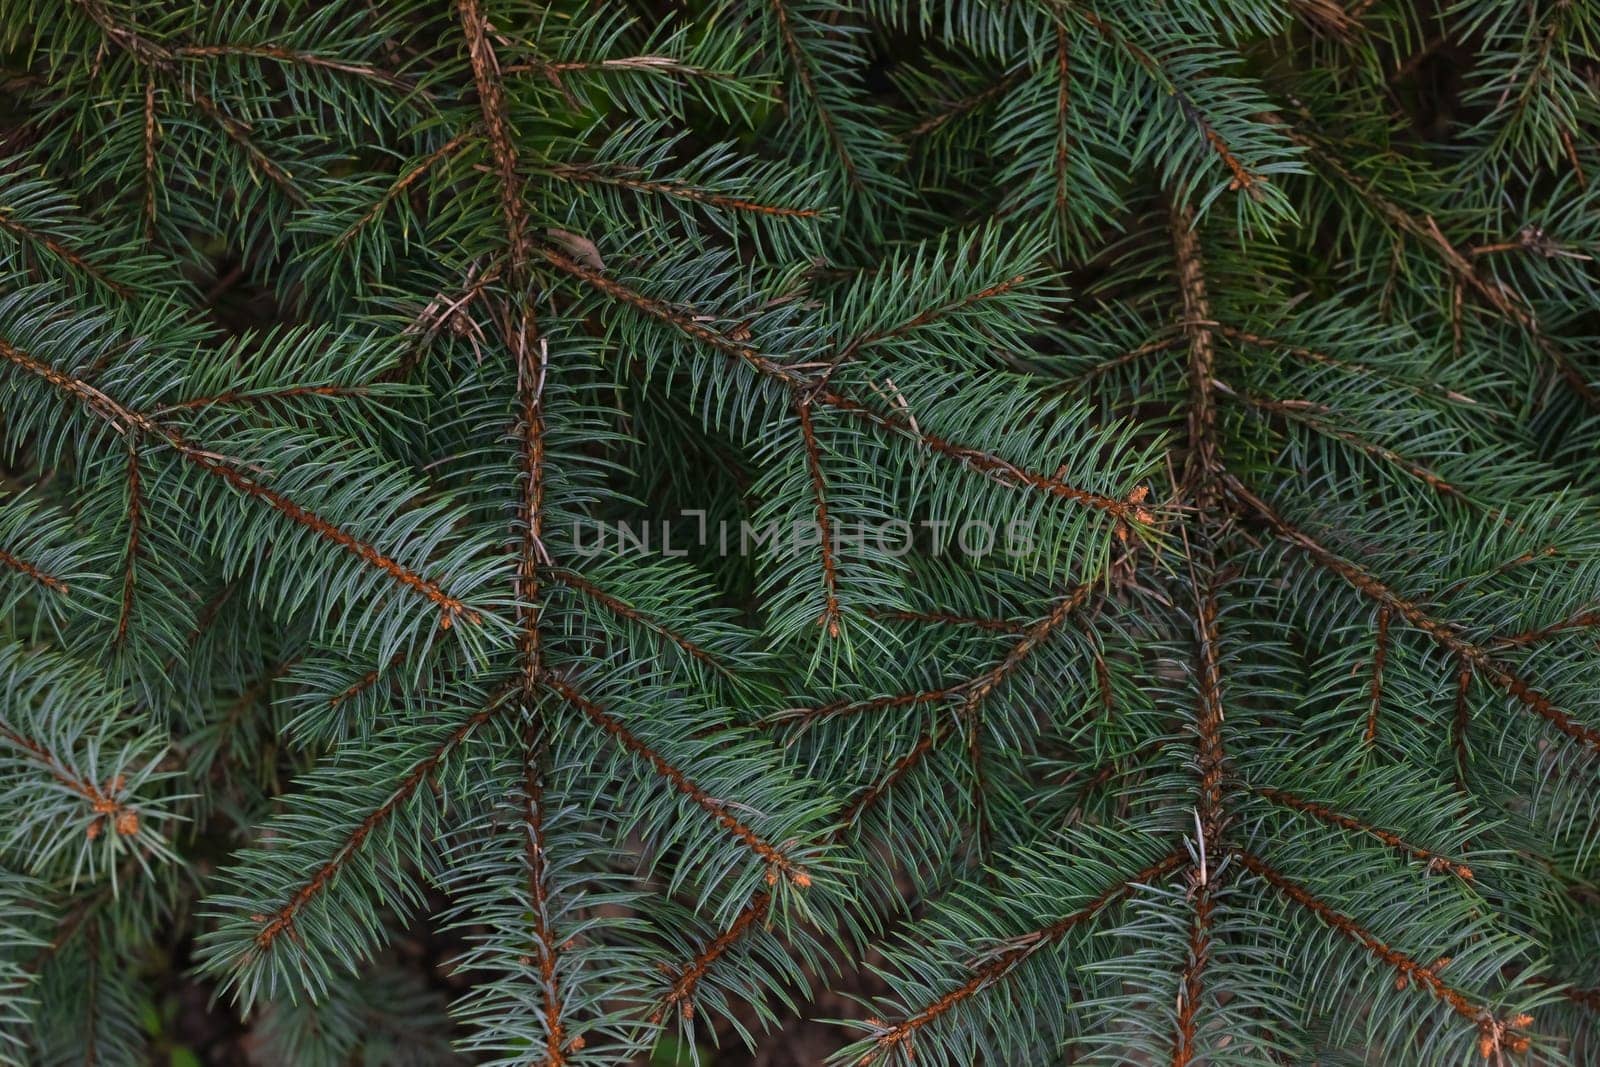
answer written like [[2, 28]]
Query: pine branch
[[1495, 294], [74, 259], [1133, 355], [972, 691], [1300, 411], [548, 944], [365, 682], [130, 557], [1306, 414], [1210, 817], [260, 397], [1063, 113], [407, 178], [104, 802], [1203, 461], [999, 626], [903, 766], [829, 619], [1242, 176], [1582, 620], [152, 136], [986, 463], [966, 104], [159, 59], [279, 54], [1191, 985], [687, 979], [594, 174], [802, 68], [687, 323], [1312, 356], [1458, 728]]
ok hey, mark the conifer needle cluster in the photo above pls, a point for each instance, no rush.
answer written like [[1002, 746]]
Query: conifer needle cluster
[[990, 532]]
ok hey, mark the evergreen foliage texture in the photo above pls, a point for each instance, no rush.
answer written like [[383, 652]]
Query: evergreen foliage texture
[[995, 531]]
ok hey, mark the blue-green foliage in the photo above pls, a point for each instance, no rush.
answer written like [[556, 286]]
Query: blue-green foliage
[[1077, 520]]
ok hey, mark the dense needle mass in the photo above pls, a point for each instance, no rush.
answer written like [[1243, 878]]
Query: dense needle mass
[[1008, 533]]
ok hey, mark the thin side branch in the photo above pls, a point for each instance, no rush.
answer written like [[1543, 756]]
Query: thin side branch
[[775, 858], [1203, 460], [130, 556], [125, 422], [1583, 620], [1380, 655], [1002, 964], [28, 570], [77, 260], [802, 67], [623, 610], [1446, 635], [1323, 813], [829, 619], [102, 801], [1494, 1034], [687, 980], [594, 175], [282, 921], [988, 464], [415, 173]]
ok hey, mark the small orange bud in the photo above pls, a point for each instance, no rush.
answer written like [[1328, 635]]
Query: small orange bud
[[576, 1044], [801, 879], [127, 822], [93, 829]]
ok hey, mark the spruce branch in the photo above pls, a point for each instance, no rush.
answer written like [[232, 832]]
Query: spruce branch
[[775, 857], [402, 183], [161, 60], [1447, 635], [55, 247], [33, 573], [1495, 1033], [1322, 813], [126, 423], [887, 1038], [282, 920], [623, 610]]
